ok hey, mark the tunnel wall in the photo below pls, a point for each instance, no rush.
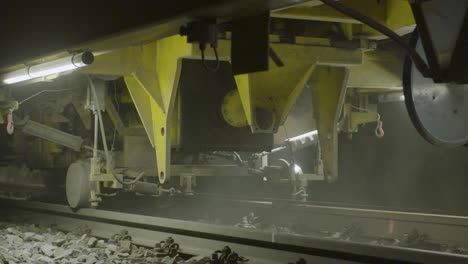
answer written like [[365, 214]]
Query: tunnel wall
[[401, 171]]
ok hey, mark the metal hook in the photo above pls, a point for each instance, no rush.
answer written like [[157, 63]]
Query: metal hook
[[10, 128]]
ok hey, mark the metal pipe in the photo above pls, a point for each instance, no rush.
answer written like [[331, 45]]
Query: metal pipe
[[53, 135], [97, 108], [96, 137], [302, 141], [52, 67], [146, 188]]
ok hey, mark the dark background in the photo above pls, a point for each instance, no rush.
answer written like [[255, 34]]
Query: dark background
[[29, 29]]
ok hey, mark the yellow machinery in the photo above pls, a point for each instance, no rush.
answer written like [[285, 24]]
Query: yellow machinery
[[307, 46]]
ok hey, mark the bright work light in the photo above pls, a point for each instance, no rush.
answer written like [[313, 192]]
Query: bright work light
[[49, 68]]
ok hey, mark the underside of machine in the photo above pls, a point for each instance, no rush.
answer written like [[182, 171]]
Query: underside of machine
[[238, 98]]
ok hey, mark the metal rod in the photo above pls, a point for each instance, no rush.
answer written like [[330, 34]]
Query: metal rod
[[96, 137], [104, 140]]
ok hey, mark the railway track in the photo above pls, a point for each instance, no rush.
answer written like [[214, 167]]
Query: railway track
[[260, 246], [320, 220]]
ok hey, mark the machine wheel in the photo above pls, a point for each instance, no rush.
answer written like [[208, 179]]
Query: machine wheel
[[438, 110], [78, 186]]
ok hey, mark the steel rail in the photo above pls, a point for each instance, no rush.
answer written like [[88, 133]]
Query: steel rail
[[200, 238], [324, 219], [345, 210]]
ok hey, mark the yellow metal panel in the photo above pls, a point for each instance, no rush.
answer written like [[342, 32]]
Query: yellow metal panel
[[169, 50], [395, 14], [277, 89], [146, 72], [328, 89], [398, 17], [151, 73], [233, 110], [243, 86], [399, 14], [168, 67], [142, 103], [381, 69]]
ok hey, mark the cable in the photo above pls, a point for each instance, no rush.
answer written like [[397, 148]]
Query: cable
[[238, 158], [363, 109], [139, 177], [104, 142], [215, 49], [43, 91], [234, 156], [418, 61]]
